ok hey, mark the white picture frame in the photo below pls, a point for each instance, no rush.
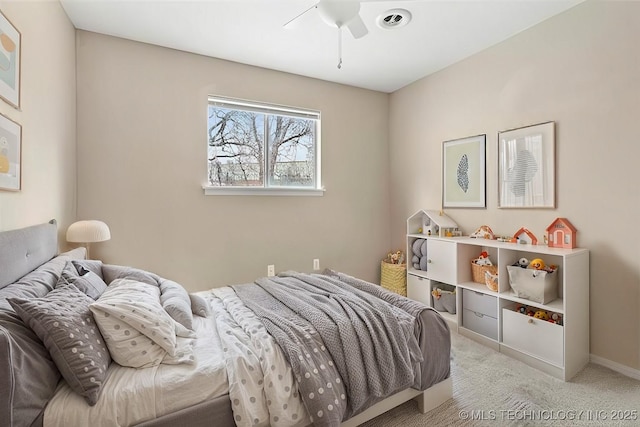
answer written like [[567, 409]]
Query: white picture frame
[[10, 154], [464, 172], [526, 167], [10, 47]]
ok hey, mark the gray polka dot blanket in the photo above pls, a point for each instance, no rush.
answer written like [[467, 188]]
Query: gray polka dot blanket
[[318, 349]]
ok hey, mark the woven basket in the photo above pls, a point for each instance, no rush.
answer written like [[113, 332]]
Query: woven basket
[[394, 277], [477, 271]]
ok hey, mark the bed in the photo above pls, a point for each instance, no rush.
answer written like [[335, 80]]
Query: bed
[[298, 349]]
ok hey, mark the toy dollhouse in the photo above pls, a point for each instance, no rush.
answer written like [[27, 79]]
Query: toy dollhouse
[[561, 234], [525, 236], [433, 223]]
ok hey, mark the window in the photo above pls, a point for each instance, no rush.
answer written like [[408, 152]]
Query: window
[[254, 146]]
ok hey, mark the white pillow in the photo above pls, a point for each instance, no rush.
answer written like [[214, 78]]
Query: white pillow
[[138, 331]]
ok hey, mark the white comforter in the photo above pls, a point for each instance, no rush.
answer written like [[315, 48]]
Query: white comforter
[[262, 389], [131, 396]]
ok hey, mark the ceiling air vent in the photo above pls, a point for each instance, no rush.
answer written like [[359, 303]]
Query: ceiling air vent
[[394, 18]]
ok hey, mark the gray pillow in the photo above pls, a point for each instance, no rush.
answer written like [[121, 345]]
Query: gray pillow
[[63, 322], [174, 298], [175, 301], [69, 271], [28, 376], [92, 265], [199, 305], [89, 283], [139, 276], [111, 272]]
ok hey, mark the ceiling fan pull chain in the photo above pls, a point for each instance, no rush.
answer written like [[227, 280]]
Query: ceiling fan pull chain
[[339, 48]]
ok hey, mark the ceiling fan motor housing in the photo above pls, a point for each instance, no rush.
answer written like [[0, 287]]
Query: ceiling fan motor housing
[[338, 13]]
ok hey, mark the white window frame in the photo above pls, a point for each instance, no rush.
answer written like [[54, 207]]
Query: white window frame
[[266, 190]]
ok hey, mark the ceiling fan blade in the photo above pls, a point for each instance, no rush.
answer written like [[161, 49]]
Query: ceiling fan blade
[[292, 23], [357, 27]]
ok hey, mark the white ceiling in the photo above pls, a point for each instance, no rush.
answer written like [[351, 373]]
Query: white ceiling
[[251, 32]]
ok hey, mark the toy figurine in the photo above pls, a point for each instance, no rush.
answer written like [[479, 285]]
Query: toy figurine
[[556, 318]]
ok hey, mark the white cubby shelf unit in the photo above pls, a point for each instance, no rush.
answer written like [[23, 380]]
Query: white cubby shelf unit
[[491, 317]]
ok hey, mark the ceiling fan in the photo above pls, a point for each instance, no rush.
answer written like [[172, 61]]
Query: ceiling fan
[[339, 14]]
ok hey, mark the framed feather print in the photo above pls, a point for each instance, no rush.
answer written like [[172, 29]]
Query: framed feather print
[[464, 172], [526, 167]]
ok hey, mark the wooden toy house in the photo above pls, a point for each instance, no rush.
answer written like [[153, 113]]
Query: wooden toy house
[[525, 236], [432, 223], [561, 234]]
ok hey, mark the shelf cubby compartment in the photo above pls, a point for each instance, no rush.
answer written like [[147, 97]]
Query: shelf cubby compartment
[[448, 304]]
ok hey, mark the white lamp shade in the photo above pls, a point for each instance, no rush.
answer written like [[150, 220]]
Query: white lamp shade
[[88, 232]]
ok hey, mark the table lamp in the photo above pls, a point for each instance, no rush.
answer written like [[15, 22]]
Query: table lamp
[[88, 232]]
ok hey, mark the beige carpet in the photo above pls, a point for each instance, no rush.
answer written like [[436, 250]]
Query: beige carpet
[[491, 389]]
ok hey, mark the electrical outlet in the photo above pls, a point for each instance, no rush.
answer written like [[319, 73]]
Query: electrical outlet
[[316, 264], [271, 270]]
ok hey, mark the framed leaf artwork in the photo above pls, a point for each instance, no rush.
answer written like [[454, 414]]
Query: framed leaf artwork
[[464, 172]]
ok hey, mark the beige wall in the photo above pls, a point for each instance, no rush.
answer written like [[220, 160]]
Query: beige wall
[[142, 161], [579, 69], [47, 115]]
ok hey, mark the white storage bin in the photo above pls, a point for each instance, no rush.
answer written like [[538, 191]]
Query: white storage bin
[[535, 285], [535, 337], [418, 289]]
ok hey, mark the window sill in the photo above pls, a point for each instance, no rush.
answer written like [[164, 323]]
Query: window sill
[[259, 191]]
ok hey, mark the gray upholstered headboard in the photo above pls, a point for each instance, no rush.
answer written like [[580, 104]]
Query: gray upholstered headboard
[[23, 250]]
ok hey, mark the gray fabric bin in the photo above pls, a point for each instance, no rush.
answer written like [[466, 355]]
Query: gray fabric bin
[[446, 302]]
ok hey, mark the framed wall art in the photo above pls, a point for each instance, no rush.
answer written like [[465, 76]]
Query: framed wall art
[[526, 167], [464, 172], [10, 154], [10, 44]]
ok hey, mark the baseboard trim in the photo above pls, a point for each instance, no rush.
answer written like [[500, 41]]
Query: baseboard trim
[[624, 370]]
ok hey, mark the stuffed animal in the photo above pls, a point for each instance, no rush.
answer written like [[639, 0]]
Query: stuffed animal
[[541, 314], [523, 262], [522, 309], [483, 259], [537, 263], [416, 247], [419, 258], [395, 257]]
